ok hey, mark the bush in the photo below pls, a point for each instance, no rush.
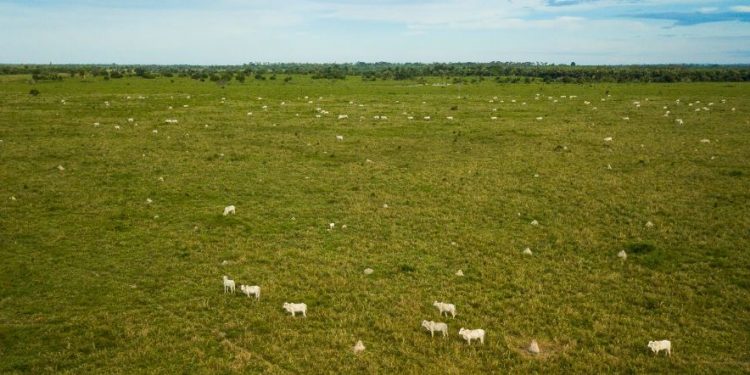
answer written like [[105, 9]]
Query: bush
[[735, 173], [34, 92], [640, 248], [46, 76], [407, 268]]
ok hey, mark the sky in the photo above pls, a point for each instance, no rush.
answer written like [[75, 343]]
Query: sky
[[218, 32]]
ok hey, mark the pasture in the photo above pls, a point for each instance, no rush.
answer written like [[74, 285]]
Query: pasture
[[114, 264]]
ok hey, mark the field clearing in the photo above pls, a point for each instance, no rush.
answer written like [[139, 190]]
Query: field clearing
[[97, 280]]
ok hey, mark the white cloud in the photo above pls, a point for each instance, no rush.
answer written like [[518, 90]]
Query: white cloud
[[236, 31], [708, 10], [423, 14], [741, 8]]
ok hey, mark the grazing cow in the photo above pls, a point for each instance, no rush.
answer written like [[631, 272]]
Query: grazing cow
[[251, 290], [228, 285], [445, 308], [295, 308], [657, 346], [435, 326], [472, 334], [359, 347]]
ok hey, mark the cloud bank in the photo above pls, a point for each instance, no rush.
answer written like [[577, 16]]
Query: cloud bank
[[236, 31]]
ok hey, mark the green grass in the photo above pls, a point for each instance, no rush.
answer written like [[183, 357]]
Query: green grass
[[92, 281]]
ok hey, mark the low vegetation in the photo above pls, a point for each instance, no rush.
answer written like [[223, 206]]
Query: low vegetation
[[115, 243], [463, 73]]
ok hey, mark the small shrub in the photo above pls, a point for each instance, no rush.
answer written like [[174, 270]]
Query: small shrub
[[34, 92], [406, 268], [640, 248]]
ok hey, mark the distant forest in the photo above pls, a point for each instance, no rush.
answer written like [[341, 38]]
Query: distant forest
[[501, 72]]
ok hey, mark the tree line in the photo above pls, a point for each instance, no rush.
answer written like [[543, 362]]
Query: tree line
[[502, 72]]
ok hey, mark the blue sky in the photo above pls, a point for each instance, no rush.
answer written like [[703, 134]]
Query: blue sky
[[237, 31]]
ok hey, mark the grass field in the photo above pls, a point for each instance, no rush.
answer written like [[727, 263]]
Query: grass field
[[96, 280]]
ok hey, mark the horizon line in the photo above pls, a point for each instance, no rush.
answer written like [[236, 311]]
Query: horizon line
[[533, 63]]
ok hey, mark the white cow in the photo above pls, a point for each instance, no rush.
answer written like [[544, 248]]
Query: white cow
[[472, 334], [657, 346], [295, 308], [435, 326], [228, 285], [445, 308], [253, 290], [359, 347]]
